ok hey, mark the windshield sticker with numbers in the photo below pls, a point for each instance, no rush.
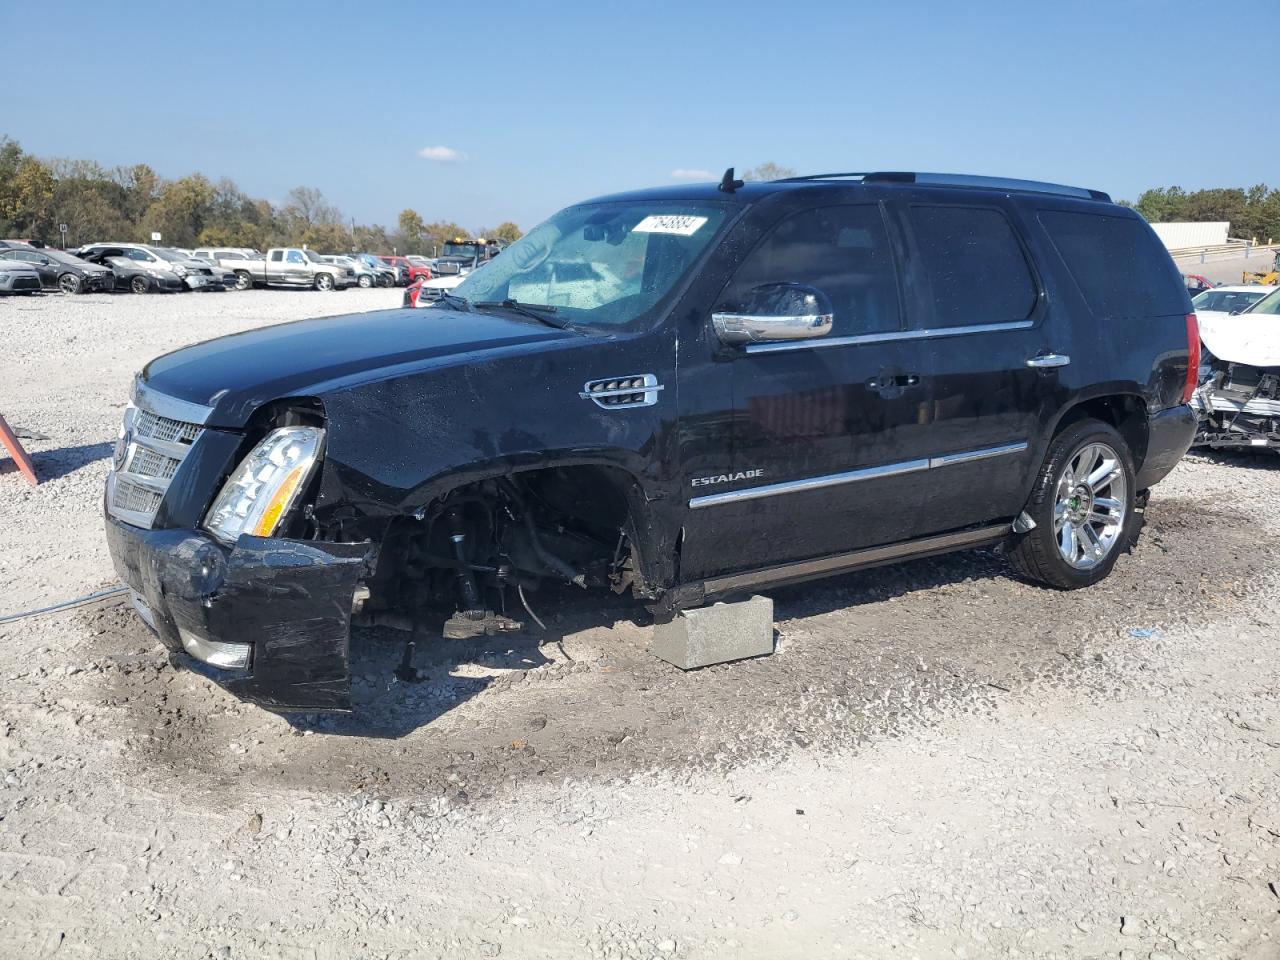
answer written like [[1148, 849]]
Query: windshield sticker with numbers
[[670, 223]]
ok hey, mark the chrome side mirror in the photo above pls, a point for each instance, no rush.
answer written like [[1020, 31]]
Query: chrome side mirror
[[776, 311]]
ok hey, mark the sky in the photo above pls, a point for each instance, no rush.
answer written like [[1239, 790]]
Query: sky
[[494, 110]]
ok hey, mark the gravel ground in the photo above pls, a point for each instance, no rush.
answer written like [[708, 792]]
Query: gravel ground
[[939, 761]]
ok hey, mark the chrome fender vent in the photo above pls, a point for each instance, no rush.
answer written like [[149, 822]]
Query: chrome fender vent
[[636, 390]]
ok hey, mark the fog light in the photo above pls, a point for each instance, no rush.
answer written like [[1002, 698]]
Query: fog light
[[229, 656]]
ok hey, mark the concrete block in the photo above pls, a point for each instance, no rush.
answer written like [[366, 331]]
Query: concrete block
[[716, 634]]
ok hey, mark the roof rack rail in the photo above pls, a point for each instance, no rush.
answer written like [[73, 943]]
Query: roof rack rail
[[958, 180]]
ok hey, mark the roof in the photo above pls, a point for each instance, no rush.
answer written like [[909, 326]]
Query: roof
[[758, 190]]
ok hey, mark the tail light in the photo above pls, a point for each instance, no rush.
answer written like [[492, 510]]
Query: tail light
[[1193, 357]]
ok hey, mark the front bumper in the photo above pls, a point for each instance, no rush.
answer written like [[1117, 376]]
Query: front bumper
[[1169, 436], [202, 281], [168, 284], [21, 284], [289, 600]]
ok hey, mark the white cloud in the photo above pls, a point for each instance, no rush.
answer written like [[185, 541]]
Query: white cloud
[[683, 174], [442, 154]]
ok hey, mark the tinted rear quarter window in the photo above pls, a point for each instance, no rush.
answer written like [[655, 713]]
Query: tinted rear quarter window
[[975, 266], [1122, 270]]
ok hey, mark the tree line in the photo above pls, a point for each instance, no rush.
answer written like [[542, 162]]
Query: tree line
[[129, 203], [1254, 213]]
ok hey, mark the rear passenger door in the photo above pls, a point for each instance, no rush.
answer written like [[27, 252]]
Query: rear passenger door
[[990, 352]]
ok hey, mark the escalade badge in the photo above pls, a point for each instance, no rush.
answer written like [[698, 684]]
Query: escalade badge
[[727, 478]]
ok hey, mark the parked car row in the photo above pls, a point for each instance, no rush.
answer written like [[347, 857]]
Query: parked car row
[[27, 268]]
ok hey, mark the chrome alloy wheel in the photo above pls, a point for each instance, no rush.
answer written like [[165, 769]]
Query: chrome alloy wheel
[[1091, 508]]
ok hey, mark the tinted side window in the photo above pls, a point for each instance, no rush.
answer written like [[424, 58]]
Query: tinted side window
[[1118, 264], [276, 256], [975, 266], [843, 251]]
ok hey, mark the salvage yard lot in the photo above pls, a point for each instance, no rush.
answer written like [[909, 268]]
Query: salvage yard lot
[[938, 756]]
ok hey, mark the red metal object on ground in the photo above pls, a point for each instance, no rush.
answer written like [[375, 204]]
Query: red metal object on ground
[[8, 442]]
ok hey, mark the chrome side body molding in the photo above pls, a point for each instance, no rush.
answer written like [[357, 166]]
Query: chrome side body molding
[[889, 337], [853, 476]]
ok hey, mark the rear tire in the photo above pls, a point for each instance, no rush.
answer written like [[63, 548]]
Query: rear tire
[[244, 280], [1083, 508], [140, 285]]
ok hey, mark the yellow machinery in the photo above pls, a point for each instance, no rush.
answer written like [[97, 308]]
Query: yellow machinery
[[1269, 279]]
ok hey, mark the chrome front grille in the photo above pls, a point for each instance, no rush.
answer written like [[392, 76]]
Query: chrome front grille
[[129, 498], [157, 433], [156, 427], [149, 463]]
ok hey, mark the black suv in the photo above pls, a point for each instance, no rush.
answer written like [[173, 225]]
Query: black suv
[[687, 393]]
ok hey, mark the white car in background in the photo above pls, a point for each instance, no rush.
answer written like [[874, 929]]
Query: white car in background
[[427, 293], [1224, 301], [1218, 313]]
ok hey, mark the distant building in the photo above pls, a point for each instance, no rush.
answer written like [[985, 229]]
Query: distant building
[[1183, 236]]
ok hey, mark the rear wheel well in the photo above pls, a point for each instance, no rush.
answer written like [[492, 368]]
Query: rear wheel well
[[1126, 412]]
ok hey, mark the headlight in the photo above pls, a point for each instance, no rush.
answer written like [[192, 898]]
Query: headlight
[[3, 277], [259, 494]]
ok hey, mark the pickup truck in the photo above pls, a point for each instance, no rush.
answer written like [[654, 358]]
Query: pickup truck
[[295, 267]]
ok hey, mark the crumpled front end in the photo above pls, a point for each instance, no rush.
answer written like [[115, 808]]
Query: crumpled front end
[[268, 619], [1239, 406], [262, 610]]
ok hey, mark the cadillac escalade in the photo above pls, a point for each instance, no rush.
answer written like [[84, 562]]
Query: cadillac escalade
[[684, 394]]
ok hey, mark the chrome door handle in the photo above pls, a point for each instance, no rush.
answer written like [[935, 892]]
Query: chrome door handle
[[1048, 360]]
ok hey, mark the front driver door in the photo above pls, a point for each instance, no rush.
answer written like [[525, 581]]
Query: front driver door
[[297, 270], [829, 435]]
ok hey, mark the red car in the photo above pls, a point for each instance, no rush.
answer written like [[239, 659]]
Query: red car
[[407, 270], [1197, 284]]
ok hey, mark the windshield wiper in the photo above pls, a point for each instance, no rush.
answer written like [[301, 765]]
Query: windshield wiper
[[457, 302], [537, 311]]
